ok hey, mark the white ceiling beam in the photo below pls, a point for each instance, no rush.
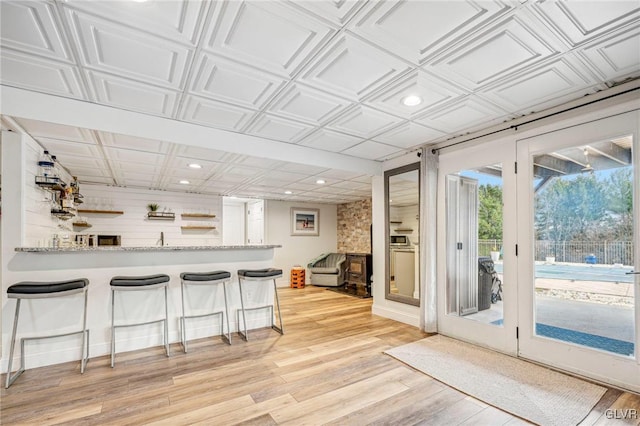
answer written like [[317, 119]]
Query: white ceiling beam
[[38, 106]]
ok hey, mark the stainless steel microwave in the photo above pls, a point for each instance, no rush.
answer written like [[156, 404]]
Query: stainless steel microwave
[[108, 240], [398, 240]]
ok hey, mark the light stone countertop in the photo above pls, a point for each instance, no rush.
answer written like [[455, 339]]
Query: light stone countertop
[[140, 249]]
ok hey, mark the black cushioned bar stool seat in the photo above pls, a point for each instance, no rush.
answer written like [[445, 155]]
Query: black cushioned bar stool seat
[[138, 283], [263, 275], [205, 278], [45, 290]]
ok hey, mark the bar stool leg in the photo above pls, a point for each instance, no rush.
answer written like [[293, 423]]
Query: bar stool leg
[[166, 321], [85, 336], [12, 378], [281, 328], [244, 335], [226, 311], [113, 329], [183, 333]]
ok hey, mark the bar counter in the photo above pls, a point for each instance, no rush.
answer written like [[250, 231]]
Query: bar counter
[[140, 249], [99, 265]]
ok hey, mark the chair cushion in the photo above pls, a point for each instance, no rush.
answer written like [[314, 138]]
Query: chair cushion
[[318, 270], [205, 276], [40, 287], [140, 280], [259, 273]]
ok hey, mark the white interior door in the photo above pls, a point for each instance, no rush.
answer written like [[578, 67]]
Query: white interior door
[[476, 215], [578, 233]]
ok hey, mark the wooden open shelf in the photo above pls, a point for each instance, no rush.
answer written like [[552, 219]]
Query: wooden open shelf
[[197, 215], [403, 230], [81, 225], [100, 211], [198, 227]]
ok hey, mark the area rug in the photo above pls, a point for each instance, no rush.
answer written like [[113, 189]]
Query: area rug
[[529, 391]]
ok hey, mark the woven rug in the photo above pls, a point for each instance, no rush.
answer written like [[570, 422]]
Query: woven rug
[[527, 390]]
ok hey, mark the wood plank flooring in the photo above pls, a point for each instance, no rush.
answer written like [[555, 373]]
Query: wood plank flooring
[[329, 368]]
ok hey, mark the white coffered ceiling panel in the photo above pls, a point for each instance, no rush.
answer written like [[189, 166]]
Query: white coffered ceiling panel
[[463, 115], [418, 30], [32, 27], [432, 90], [178, 20], [141, 158], [127, 52], [364, 122], [279, 129], [132, 95], [615, 57], [373, 150], [34, 73], [408, 135], [215, 114], [328, 140], [132, 142], [558, 79], [273, 95], [350, 67], [228, 81], [338, 12], [578, 22], [260, 163], [511, 45], [302, 103], [267, 35]]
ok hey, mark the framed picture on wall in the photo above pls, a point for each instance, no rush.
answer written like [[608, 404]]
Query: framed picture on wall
[[305, 221]]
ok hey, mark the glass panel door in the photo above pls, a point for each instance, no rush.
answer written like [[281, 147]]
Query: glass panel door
[[580, 249], [477, 220]]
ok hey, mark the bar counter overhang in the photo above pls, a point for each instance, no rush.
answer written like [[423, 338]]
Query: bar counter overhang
[[99, 265]]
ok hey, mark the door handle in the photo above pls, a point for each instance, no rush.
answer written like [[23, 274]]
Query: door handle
[[632, 273]]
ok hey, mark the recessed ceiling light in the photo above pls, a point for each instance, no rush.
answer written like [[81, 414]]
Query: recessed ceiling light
[[320, 181], [411, 100], [288, 192], [195, 166], [139, 1], [185, 182]]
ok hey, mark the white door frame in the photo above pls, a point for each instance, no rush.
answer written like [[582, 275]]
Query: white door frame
[[500, 338], [600, 365]]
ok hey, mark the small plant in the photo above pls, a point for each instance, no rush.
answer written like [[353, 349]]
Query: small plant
[[153, 207]]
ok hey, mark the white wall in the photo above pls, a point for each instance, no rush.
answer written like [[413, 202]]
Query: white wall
[[299, 250], [233, 223], [137, 230]]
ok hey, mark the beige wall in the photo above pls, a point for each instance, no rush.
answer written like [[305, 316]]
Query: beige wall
[[354, 221]]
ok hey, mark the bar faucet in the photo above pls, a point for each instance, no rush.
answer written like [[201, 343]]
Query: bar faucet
[[161, 238]]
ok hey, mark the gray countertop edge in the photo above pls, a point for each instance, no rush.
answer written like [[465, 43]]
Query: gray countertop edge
[[139, 249]]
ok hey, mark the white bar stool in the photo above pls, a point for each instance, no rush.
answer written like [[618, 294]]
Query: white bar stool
[[206, 278], [45, 290], [139, 283], [263, 275]]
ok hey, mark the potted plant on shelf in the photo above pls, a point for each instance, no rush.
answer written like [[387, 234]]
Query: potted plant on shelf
[[153, 207]]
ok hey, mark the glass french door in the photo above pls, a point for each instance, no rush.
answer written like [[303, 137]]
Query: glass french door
[[476, 207], [578, 203]]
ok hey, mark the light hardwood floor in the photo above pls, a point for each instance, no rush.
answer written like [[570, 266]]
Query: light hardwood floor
[[329, 368]]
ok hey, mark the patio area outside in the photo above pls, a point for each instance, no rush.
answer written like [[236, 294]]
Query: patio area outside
[[590, 305]]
